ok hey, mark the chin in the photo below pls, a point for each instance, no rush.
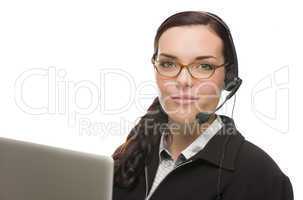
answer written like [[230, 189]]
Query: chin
[[182, 116], [182, 120]]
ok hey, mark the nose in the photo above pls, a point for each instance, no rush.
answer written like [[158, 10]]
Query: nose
[[184, 79]]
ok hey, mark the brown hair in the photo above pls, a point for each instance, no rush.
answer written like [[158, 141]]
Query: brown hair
[[131, 156]]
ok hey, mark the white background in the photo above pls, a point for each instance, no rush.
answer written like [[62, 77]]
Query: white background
[[53, 55]]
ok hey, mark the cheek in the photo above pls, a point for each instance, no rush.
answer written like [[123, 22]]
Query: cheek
[[207, 88], [165, 85], [211, 87]]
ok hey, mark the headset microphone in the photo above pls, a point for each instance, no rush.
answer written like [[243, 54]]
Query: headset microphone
[[203, 117]]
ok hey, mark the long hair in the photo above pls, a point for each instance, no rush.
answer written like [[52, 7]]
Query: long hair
[[131, 156]]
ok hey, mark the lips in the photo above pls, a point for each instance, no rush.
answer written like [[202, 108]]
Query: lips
[[184, 99]]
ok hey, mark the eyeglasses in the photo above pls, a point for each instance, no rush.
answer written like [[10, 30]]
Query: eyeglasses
[[197, 69]]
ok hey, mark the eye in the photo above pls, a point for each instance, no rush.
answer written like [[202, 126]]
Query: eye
[[206, 66], [167, 64]]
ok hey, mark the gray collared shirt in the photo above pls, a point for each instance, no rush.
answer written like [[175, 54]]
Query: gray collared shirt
[[166, 162]]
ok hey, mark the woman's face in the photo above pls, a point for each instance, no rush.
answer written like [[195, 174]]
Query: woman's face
[[186, 43]]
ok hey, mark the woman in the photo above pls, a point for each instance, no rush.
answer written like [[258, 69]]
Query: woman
[[181, 149]]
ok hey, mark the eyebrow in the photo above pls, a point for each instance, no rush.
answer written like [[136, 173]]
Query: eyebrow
[[197, 58]]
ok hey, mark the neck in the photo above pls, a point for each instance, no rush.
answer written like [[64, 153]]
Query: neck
[[182, 135]]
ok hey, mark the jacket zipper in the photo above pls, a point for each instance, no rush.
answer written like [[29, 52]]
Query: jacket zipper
[[146, 177]]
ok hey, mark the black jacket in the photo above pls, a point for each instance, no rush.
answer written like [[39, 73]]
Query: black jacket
[[246, 173]]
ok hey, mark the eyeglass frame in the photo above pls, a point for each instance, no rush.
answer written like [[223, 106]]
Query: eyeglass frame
[[153, 60]]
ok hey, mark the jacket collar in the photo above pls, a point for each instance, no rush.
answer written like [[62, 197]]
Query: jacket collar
[[213, 150], [228, 134]]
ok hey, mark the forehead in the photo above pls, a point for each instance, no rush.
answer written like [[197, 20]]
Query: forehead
[[188, 42]]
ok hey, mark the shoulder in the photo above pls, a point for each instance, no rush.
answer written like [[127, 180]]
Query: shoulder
[[257, 176], [255, 163]]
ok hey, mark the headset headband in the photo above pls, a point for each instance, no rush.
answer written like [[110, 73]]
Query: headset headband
[[232, 73]]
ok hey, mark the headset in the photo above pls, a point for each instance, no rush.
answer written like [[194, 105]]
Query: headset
[[232, 84]]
